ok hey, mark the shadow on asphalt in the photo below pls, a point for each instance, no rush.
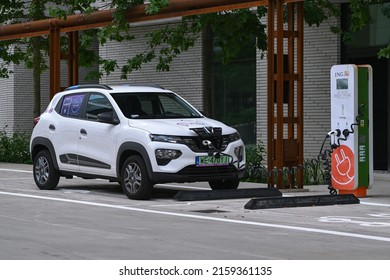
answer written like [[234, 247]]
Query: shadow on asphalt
[[116, 189]]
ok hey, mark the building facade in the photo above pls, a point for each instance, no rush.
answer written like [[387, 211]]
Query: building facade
[[234, 93]]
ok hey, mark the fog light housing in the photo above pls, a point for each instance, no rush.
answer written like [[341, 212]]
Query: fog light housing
[[167, 154], [164, 156], [239, 152]]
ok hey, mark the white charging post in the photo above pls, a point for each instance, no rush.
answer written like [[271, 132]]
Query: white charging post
[[351, 114]]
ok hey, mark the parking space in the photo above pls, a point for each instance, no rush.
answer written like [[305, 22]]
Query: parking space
[[93, 219]]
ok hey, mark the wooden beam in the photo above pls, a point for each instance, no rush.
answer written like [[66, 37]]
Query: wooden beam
[[137, 13], [300, 110], [271, 91], [279, 90]]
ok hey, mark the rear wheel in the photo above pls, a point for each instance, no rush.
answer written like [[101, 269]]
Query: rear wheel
[[134, 178], [224, 184], [46, 177]]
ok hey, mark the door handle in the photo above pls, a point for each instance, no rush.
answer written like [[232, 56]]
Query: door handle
[[83, 132]]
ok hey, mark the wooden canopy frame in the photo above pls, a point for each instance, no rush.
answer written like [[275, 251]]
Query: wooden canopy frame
[[285, 76]]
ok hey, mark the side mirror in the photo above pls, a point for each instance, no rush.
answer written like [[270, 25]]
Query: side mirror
[[107, 117]]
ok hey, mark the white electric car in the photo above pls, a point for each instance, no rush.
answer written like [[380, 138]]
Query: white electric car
[[136, 135]]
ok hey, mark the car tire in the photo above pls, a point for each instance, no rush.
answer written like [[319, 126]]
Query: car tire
[[224, 184], [135, 180], [46, 176]]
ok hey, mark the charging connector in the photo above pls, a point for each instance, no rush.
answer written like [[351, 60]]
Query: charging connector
[[336, 132]]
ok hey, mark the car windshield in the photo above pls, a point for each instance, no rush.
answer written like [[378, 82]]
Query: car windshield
[[154, 106]]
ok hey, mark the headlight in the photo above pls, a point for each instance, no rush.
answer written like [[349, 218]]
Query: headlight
[[234, 137], [165, 138]]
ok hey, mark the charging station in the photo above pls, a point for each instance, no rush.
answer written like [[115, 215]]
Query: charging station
[[351, 124]]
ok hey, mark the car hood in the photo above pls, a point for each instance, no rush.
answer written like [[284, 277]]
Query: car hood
[[179, 127]]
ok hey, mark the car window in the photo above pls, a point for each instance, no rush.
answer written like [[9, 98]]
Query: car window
[[153, 106], [97, 103], [71, 105], [171, 105]]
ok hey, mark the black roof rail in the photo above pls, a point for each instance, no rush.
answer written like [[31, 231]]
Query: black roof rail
[[144, 85], [102, 86]]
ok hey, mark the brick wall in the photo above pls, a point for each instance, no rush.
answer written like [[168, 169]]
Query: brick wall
[[7, 103], [184, 77]]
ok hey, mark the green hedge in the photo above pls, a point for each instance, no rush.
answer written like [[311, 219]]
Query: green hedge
[[14, 148]]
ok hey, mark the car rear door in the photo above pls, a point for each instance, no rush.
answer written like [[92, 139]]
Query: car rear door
[[67, 130]]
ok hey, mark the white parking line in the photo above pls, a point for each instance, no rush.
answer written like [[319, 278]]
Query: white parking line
[[15, 170], [375, 204], [191, 216]]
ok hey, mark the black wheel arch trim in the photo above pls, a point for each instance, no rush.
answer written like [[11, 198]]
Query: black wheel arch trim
[[138, 149], [41, 141]]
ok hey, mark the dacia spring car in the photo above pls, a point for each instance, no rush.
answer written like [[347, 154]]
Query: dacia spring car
[[136, 135]]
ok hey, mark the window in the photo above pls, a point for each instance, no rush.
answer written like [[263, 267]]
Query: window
[[375, 34], [71, 106], [97, 103], [234, 92], [153, 106]]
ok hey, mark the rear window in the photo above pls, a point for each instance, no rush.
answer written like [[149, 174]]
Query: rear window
[[71, 105]]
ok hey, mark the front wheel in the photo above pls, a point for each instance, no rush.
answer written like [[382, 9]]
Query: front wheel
[[46, 177], [134, 178], [224, 184]]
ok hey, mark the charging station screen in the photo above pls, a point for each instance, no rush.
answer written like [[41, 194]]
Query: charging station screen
[[342, 84]]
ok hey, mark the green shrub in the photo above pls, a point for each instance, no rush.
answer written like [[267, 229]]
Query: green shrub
[[314, 173], [255, 170], [14, 148]]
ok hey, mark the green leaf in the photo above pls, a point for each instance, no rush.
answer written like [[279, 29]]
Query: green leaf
[[384, 52]]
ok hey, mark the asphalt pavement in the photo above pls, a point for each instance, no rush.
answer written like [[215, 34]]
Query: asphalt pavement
[[93, 220]]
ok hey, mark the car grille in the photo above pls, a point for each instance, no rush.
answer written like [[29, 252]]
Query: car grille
[[209, 170], [196, 145]]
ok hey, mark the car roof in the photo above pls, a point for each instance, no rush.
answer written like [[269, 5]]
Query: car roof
[[112, 89]]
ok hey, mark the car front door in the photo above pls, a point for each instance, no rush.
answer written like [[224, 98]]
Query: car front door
[[97, 140]]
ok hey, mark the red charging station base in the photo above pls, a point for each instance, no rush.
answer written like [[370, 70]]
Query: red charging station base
[[359, 192]]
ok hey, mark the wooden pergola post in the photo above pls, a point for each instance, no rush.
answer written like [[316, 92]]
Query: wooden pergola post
[[285, 94], [55, 60], [73, 58]]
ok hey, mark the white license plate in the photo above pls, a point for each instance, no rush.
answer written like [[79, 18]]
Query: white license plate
[[212, 160]]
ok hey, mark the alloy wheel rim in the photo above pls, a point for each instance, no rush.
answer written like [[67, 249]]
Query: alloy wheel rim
[[42, 170], [133, 178]]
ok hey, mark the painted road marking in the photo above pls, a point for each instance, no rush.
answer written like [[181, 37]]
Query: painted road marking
[[15, 170], [375, 220], [191, 216]]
